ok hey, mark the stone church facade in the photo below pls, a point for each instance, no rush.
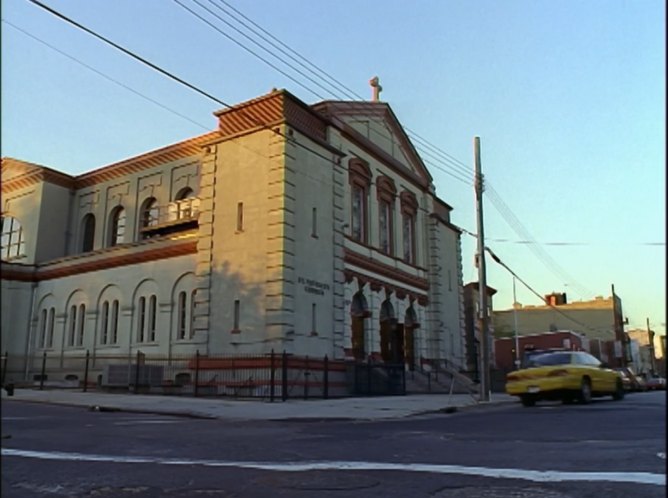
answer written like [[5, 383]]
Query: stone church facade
[[310, 229]]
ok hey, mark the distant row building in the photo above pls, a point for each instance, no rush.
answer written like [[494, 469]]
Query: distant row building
[[595, 325]]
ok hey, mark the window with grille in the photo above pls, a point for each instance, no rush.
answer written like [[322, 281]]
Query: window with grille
[[13, 243], [117, 227]]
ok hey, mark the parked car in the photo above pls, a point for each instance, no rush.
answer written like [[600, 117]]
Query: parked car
[[563, 375], [635, 382], [626, 380], [655, 383]]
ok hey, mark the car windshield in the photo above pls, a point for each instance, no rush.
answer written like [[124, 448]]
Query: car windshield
[[547, 359]]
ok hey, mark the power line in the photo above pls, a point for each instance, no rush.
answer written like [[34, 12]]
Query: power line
[[456, 163], [455, 168], [475, 235], [555, 308], [231, 38], [291, 53], [251, 119], [446, 162], [107, 77], [538, 251]]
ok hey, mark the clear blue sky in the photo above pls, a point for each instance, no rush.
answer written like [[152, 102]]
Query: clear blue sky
[[569, 99]]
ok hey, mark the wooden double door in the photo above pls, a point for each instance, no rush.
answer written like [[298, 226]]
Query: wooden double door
[[397, 343]]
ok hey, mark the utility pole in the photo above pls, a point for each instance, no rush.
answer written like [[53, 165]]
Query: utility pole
[[517, 340], [652, 358], [482, 279]]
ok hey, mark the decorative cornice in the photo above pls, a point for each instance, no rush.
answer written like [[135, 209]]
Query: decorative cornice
[[30, 174], [113, 260], [445, 222], [381, 269], [376, 285], [279, 106], [174, 152], [35, 173]]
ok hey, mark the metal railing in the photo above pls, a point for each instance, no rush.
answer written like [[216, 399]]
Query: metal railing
[[269, 376]]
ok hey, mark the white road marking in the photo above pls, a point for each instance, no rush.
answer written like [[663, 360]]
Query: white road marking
[[135, 422], [529, 475]]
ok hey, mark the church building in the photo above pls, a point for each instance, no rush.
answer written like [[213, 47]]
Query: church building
[[313, 229]]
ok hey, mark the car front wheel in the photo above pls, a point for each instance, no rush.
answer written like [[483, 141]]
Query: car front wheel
[[528, 400], [585, 391], [619, 392]]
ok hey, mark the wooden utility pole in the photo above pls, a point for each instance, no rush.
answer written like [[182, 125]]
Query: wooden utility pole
[[652, 358], [482, 280]]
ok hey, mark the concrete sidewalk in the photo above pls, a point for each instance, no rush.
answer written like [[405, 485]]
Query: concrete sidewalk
[[358, 408]]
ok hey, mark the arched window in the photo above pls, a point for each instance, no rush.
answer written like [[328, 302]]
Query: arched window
[[152, 305], [409, 208], [185, 203], [181, 314], [117, 226], [386, 311], [73, 325], [42, 334], [193, 294], [141, 317], [114, 322], [147, 307], [149, 213], [13, 244], [359, 177], [82, 324], [49, 328], [77, 325], [184, 193], [88, 233], [104, 333], [386, 192]]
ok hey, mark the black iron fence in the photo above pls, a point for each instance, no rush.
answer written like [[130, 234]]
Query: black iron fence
[[270, 376]]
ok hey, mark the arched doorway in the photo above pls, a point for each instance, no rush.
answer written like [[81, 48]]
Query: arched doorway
[[359, 311], [388, 325], [410, 324]]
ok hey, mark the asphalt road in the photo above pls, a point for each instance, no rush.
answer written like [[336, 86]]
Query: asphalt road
[[507, 451]]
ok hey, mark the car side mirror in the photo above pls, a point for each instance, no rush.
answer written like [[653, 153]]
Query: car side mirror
[[604, 365]]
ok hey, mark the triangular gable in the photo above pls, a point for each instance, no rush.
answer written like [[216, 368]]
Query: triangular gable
[[375, 122]]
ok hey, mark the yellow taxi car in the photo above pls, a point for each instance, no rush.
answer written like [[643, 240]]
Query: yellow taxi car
[[563, 375]]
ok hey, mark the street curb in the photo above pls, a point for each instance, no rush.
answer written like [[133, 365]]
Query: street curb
[[448, 410], [107, 408]]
